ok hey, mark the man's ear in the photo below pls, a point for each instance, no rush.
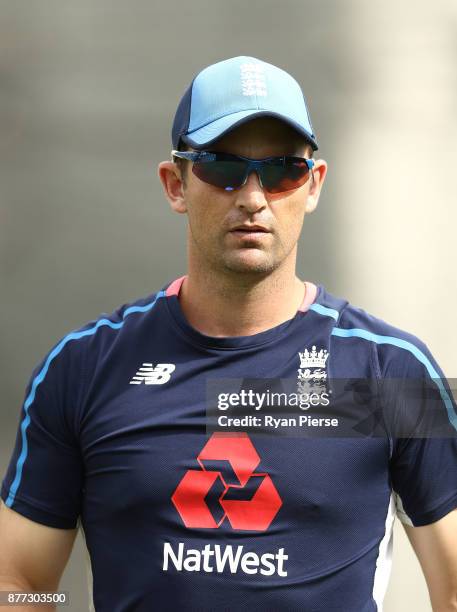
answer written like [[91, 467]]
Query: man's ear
[[317, 177], [171, 179]]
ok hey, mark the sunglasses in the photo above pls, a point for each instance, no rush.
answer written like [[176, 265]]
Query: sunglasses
[[229, 172]]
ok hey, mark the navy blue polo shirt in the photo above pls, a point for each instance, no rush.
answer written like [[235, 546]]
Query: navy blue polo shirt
[[112, 439]]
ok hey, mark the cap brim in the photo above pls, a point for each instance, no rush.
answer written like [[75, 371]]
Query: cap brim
[[208, 134]]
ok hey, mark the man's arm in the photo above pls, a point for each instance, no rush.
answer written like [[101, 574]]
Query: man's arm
[[32, 556], [435, 546]]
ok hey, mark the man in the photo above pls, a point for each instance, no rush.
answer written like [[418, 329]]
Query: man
[[114, 434]]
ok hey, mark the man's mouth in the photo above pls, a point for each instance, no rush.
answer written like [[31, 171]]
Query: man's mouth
[[250, 234], [250, 229]]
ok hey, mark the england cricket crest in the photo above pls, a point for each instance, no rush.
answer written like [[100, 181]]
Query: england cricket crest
[[312, 374]]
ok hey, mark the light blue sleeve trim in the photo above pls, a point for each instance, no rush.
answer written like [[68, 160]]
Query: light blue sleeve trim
[[409, 346], [40, 377], [404, 344], [323, 310]]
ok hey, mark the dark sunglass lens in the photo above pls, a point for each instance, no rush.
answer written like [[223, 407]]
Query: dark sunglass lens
[[227, 175], [280, 177]]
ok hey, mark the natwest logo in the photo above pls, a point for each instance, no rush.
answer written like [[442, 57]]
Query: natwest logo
[[223, 559], [228, 483]]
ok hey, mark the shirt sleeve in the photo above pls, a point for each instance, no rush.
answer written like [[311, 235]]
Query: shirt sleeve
[[44, 478], [423, 465]]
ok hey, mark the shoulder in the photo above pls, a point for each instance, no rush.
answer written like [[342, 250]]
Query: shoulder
[[398, 352], [80, 349], [127, 318]]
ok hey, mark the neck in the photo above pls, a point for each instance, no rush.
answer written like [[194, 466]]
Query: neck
[[232, 304]]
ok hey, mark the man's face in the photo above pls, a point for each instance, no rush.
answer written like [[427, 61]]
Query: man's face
[[213, 212]]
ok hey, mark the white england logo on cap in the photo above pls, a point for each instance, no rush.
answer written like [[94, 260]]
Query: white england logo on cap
[[253, 80]]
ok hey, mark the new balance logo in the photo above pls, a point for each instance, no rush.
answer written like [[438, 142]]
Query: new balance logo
[[150, 375]]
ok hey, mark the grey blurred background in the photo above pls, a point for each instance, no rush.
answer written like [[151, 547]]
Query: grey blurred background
[[88, 91]]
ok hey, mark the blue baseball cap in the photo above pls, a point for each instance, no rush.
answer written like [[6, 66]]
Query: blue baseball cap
[[231, 92]]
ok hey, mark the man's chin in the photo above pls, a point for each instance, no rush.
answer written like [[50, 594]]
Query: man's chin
[[249, 264]]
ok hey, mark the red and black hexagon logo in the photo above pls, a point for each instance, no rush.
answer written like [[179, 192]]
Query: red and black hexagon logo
[[227, 487]]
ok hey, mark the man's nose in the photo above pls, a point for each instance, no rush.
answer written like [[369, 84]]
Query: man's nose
[[251, 196]]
